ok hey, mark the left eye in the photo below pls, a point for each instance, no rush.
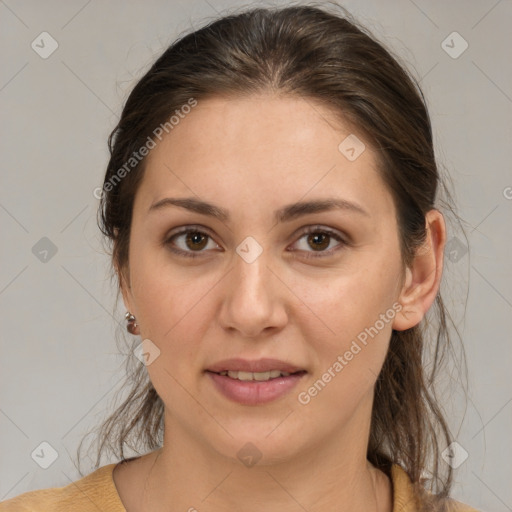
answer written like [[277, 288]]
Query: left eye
[[320, 240]]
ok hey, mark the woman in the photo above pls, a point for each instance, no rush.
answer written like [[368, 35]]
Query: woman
[[271, 203]]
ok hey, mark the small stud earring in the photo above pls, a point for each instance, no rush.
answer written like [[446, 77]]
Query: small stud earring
[[132, 324]]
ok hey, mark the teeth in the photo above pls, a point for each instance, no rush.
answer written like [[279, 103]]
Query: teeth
[[259, 376]]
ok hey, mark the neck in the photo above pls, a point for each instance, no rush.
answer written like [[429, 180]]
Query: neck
[[333, 475]]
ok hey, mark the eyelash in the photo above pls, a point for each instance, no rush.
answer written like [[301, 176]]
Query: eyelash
[[308, 231]]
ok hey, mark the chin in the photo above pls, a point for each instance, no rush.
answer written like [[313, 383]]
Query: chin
[[264, 444]]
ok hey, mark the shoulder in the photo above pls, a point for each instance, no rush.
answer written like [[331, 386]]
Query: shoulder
[[457, 506], [91, 493], [405, 498]]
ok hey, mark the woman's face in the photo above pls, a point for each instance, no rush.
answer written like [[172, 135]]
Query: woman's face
[[314, 288]]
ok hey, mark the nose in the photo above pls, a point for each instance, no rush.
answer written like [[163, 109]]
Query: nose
[[253, 299]]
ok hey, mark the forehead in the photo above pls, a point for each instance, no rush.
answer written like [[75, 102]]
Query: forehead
[[274, 147], [260, 124]]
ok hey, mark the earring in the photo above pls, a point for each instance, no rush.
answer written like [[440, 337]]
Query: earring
[[132, 324]]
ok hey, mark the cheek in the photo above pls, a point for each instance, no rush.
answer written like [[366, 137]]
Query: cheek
[[349, 303], [166, 295], [349, 359], [349, 334], [173, 316], [169, 316]]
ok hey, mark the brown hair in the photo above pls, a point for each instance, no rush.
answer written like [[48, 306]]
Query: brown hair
[[319, 54]]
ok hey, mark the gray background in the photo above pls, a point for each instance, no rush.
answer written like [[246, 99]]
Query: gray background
[[60, 366]]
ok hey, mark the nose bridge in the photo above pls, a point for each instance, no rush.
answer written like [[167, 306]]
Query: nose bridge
[[251, 275], [252, 302]]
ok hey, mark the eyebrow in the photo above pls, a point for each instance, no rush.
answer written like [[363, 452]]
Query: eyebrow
[[285, 214]]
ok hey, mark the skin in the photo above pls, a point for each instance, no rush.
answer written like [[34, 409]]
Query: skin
[[252, 156]]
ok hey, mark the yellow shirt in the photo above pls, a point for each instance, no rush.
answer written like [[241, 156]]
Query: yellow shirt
[[97, 492]]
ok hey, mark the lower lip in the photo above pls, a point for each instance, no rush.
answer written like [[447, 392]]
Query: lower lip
[[254, 392]]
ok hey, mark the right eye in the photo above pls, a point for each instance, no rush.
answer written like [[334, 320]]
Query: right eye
[[189, 241]]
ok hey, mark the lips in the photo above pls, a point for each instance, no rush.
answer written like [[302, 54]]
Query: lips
[[235, 379], [254, 392], [256, 366]]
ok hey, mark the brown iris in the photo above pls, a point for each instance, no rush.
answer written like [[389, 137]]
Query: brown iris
[[321, 239], [193, 240]]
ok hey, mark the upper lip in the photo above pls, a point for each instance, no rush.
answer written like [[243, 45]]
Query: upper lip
[[259, 365]]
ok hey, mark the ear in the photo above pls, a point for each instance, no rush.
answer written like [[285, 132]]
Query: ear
[[423, 278], [123, 275]]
